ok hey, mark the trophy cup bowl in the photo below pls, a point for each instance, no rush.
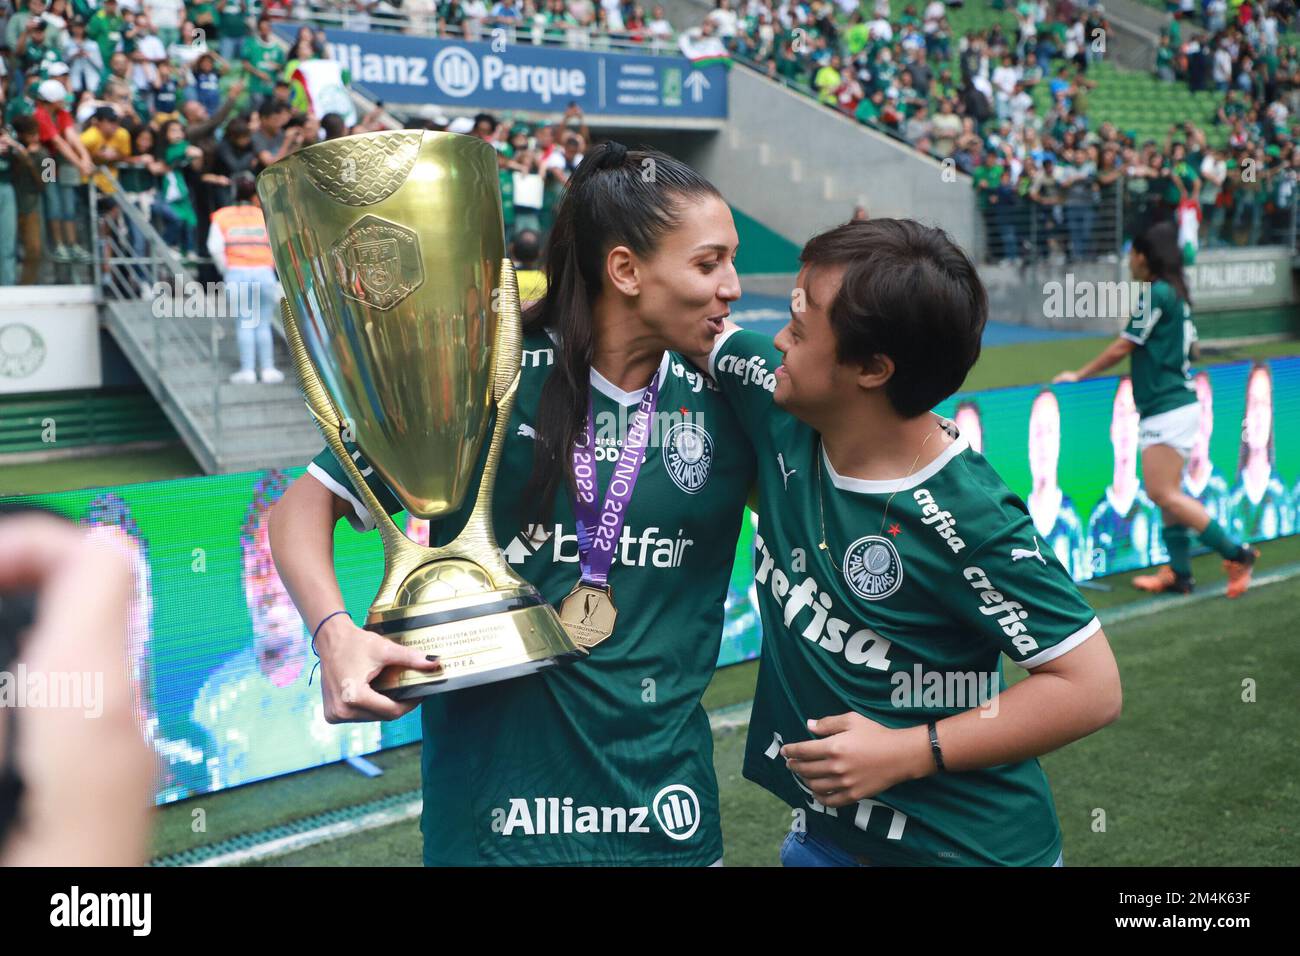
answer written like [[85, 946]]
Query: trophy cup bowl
[[401, 312]]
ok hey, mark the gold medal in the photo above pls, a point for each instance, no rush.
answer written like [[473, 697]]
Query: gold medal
[[588, 613]]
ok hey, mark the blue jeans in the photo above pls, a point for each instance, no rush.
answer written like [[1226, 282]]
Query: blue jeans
[[801, 849], [253, 297], [8, 235], [60, 202]]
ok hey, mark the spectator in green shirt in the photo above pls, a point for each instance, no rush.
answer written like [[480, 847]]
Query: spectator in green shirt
[[1165, 61], [232, 25], [263, 60], [106, 28]]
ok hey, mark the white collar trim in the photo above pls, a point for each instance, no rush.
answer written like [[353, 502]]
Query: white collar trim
[[868, 486], [607, 388]]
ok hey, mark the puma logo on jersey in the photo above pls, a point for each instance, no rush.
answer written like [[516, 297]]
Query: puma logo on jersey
[[1018, 554], [526, 431], [785, 475], [941, 521]]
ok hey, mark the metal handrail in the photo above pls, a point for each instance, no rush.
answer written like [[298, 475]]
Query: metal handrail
[[120, 270]]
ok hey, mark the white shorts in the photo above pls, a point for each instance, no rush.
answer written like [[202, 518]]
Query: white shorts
[[1176, 428]]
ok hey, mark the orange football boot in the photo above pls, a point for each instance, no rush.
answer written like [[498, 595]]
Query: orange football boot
[[1239, 572], [1164, 579]]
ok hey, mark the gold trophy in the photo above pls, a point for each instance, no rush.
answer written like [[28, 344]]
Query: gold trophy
[[402, 314]]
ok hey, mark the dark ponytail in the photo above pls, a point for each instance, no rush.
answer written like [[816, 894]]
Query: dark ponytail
[[616, 197], [1159, 246]]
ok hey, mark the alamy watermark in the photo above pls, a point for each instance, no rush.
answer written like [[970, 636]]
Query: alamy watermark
[[1088, 299], [954, 690], [55, 690], [182, 298]]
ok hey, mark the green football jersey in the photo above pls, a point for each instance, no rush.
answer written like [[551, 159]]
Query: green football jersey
[[924, 584], [1260, 520], [1122, 539], [608, 760], [1162, 378]]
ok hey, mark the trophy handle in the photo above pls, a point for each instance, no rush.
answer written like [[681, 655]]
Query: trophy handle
[[477, 541], [401, 554]]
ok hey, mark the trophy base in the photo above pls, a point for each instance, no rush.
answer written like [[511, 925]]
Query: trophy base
[[497, 636]]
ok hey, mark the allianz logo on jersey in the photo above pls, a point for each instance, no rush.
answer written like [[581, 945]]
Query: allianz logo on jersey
[[941, 521], [675, 808], [647, 549]]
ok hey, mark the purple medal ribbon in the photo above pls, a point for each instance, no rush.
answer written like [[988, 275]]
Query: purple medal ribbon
[[598, 533]]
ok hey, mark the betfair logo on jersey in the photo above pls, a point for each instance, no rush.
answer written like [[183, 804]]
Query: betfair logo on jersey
[[644, 550], [688, 455], [1013, 613], [872, 567], [676, 809], [863, 647], [750, 371], [941, 521]]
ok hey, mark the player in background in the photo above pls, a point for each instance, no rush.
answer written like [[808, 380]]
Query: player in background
[[1050, 507], [1124, 527], [1202, 480], [1161, 338], [1257, 505], [259, 706], [969, 423], [890, 557]]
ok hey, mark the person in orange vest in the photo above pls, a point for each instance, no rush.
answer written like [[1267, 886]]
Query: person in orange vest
[[239, 245]]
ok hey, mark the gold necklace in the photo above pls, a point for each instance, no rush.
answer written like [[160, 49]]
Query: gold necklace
[[821, 511]]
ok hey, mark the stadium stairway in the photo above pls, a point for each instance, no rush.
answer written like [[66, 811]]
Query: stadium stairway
[[228, 428]]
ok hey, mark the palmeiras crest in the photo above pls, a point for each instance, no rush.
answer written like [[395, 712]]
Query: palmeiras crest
[[378, 262]]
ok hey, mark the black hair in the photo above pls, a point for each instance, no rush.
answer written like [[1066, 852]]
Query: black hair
[[909, 292], [526, 246], [609, 201], [245, 187], [1159, 246], [333, 125]]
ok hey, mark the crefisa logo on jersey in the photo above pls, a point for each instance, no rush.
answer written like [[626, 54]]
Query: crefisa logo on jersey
[[676, 809], [872, 567], [688, 456]]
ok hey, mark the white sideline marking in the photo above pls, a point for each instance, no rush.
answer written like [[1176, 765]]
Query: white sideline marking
[[725, 718], [1152, 605], [332, 831]]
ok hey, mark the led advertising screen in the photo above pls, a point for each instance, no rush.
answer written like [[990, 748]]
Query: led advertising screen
[[222, 664]]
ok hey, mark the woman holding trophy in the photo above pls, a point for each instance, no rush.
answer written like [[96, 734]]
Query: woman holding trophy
[[618, 495]]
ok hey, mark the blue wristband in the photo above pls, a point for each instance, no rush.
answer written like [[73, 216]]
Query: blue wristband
[[316, 633]]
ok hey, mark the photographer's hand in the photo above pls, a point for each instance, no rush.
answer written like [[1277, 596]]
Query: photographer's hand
[[88, 775]]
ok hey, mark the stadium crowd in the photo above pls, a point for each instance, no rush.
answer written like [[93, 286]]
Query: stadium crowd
[[172, 101], [1054, 181]]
